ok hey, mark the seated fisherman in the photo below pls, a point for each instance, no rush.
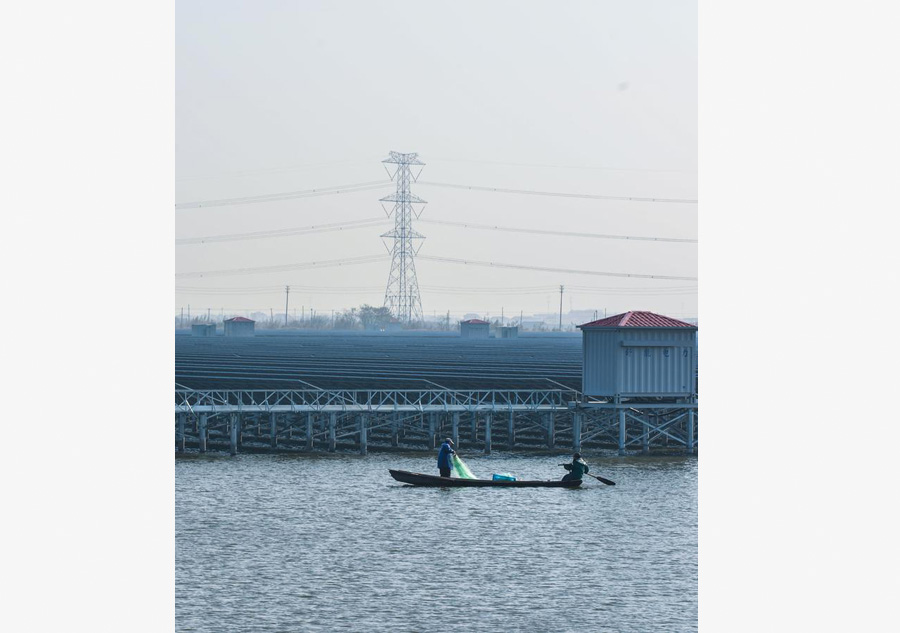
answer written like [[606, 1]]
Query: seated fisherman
[[577, 468], [444, 454]]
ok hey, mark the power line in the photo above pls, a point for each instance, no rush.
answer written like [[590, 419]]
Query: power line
[[559, 194], [450, 260], [290, 195], [258, 235], [469, 225], [349, 261], [494, 162], [372, 222]]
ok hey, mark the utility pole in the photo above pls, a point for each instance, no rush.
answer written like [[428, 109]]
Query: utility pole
[[189, 313], [561, 288], [501, 314], [181, 320], [207, 315], [287, 292]]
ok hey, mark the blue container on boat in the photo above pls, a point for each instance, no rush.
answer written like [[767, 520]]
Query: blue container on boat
[[503, 477]]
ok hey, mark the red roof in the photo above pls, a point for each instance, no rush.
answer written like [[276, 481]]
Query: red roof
[[638, 319], [476, 322], [240, 320]]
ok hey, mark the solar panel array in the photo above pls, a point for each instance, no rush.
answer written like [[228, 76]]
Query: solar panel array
[[286, 360]]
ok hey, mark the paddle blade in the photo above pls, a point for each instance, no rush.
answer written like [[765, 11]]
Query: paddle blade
[[608, 482]]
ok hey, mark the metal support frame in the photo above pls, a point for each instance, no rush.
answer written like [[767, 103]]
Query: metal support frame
[[332, 422], [363, 434], [576, 431], [202, 433], [333, 416], [234, 432], [431, 430], [402, 293], [179, 434], [690, 431]]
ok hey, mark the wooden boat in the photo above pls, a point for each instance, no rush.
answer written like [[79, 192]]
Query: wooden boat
[[419, 479]]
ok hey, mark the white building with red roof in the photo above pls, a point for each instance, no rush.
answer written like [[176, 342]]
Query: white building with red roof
[[240, 326], [638, 354], [474, 328]]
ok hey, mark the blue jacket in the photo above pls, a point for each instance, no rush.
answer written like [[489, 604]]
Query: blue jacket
[[444, 456]]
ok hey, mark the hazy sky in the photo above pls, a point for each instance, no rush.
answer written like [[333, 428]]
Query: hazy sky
[[574, 97]]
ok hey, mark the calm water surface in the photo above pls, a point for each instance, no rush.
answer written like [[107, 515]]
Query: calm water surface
[[332, 543]]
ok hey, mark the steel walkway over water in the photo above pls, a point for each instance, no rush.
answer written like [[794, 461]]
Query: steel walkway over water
[[331, 391]]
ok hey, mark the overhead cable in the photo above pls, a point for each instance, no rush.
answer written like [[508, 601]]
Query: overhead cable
[[290, 195], [258, 235], [558, 194], [470, 225], [349, 261], [450, 260]]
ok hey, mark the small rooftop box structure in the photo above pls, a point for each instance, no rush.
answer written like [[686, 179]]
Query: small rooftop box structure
[[638, 354], [240, 326], [474, 328], [508, 331], [203, 329]]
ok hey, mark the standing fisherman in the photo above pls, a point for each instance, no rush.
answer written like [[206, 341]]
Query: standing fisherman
[[444, 454], [577, 468]]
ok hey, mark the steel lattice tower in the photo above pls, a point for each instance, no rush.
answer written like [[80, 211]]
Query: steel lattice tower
[[402, 293]]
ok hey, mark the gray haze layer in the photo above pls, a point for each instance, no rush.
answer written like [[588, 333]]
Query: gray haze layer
[[576, 97]]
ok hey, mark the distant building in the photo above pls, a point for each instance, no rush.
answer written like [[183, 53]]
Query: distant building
[[508, 331], [638, 354], [395, 325], [203, 329], [239, 326], [474, 328]]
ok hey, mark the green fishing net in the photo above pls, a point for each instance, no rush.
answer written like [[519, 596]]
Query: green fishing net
[[460, 469]]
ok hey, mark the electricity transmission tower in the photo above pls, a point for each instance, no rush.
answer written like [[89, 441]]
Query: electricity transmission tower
[[402, 293]]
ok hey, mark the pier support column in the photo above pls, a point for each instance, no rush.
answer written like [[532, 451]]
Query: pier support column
[[576, 431], [273, 430], [395, 429], [454, 434], [234, 432], [690, 431], [240, 429], [487, 434], [363, 434], [645, 438], [551, 432], [179, 436], [431, 431], [511, 440], [621, 432], [332, 422], [309, 430], [201, 433], [474, 426]]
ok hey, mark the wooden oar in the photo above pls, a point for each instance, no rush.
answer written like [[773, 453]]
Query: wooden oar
[[608, 482]]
